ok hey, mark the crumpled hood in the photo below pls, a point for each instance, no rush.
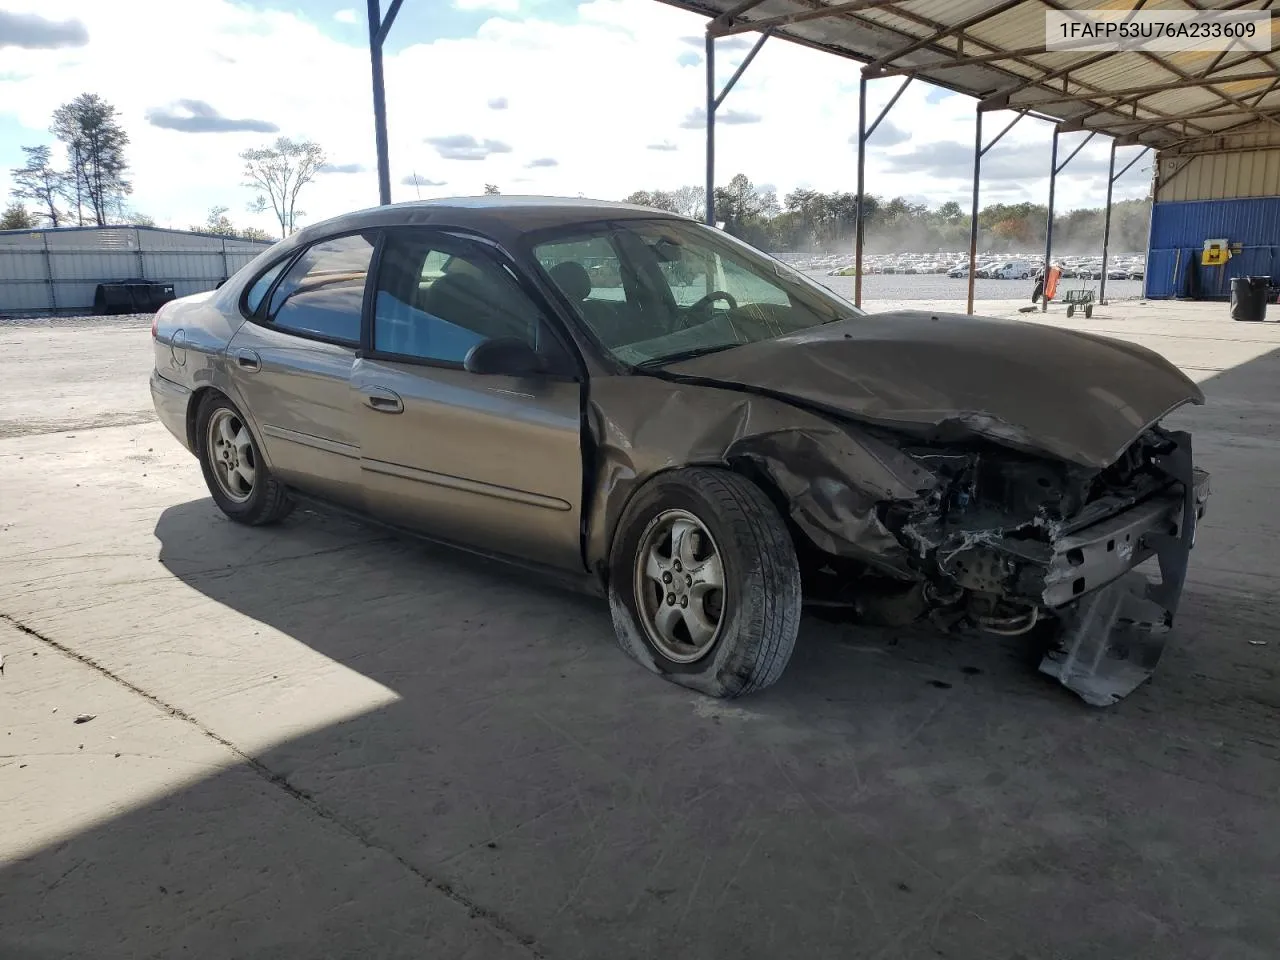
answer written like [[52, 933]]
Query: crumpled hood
[[1071, 395]]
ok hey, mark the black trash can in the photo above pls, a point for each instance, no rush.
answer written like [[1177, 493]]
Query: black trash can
[[1249, 298], [131, 296]]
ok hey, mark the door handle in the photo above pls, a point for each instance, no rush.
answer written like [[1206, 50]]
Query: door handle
[[383, 400], [248, 360]]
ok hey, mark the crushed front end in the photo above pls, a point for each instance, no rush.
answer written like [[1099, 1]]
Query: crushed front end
[[1011, 541]]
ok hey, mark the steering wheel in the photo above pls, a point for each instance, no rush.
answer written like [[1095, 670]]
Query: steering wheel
[[711, 298]]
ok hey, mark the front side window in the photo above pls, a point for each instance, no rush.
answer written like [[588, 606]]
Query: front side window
[[589, 265], [678, 289], [323, 292], [439, 296]]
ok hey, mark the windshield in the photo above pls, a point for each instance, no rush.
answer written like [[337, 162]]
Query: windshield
[[654, 291]]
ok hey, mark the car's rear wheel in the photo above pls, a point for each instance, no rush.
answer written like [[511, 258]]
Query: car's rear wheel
[[704, 584], [240, 482]]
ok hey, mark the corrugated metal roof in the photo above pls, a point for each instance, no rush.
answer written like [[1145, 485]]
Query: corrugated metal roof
[[987, 49]]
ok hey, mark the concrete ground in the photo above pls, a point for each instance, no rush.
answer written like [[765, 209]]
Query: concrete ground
[[321, 741]]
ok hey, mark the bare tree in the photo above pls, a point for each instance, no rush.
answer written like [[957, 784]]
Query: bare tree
[[280, 171], [40, 183], [690, 201], [491, 189], [95, 144]]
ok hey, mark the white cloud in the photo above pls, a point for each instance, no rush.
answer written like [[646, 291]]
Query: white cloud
[[247, 62], [346, 16], [501, 6], [35, 32]]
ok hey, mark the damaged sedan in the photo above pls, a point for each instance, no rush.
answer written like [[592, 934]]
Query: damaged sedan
[[696, 431]]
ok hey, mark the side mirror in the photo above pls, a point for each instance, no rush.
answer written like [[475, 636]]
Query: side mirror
[[503, 356]]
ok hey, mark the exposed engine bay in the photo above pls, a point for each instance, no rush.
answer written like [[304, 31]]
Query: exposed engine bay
[[1008, 542]]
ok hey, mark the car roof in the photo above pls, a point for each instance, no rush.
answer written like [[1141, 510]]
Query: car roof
[[500, 217]]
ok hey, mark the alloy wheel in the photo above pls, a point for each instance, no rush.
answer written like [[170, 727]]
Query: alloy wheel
[[679, 586]]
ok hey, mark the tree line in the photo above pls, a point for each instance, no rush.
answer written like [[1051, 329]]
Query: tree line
[[91, 187], [810, 221]]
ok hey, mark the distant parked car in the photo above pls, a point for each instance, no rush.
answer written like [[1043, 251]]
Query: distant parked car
[[699, 433], [1009, 270]]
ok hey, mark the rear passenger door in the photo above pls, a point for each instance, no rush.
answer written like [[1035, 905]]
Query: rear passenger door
[[489, 461], [292, 366]]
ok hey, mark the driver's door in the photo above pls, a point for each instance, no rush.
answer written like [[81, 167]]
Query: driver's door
[[488, 461]]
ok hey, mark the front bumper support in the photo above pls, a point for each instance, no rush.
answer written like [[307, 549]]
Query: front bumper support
[[1112, 638]]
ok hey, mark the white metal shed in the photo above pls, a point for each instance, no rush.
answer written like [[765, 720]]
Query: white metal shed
[[58, 270]]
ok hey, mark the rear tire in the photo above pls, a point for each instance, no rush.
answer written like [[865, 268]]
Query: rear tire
[[235, 473], [1071, 311], [753, 617]]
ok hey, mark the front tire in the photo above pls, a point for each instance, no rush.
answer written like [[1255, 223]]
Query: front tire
[[235, 473], [704, 584]]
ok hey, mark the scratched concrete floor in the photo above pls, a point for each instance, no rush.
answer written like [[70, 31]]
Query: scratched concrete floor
[[318, 741]]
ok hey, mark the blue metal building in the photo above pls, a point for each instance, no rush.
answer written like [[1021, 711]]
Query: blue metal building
[[1216, 188]]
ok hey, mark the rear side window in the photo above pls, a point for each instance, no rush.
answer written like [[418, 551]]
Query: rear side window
[[323, 292], [253, 299]]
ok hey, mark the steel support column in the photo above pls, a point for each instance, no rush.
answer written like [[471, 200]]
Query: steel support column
[[378, 28], [973, 214], [1106, 225], [1048, 230], [711, 130], [1112, 177], [979, 151], [864, 134], [859, 218], [713, 104]]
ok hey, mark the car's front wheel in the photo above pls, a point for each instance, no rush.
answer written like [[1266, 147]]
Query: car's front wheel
[[240, 482], [704, 584]]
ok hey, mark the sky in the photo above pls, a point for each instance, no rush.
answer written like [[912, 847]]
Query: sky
[[555, 97]]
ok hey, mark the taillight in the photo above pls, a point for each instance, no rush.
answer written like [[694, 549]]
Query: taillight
[[155, 319]]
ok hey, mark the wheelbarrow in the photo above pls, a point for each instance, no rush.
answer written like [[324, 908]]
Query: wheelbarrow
[[1079, 298]]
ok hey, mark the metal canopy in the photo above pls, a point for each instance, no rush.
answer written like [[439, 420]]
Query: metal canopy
[[987, 49]]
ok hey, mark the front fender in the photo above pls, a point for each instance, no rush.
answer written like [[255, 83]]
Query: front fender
[[831, 476]]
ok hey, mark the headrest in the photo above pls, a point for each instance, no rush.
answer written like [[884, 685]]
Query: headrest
[[572, 279]]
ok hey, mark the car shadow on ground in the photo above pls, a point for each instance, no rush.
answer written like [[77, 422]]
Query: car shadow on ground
[[531, 792], [897, 791]]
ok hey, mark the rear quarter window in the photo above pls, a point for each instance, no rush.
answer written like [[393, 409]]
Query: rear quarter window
[[253, 299]]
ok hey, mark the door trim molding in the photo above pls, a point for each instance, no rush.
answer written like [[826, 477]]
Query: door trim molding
[[467, 486], [308, 440]]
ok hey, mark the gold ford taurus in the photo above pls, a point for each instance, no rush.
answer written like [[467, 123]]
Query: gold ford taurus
[[695, 430]]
